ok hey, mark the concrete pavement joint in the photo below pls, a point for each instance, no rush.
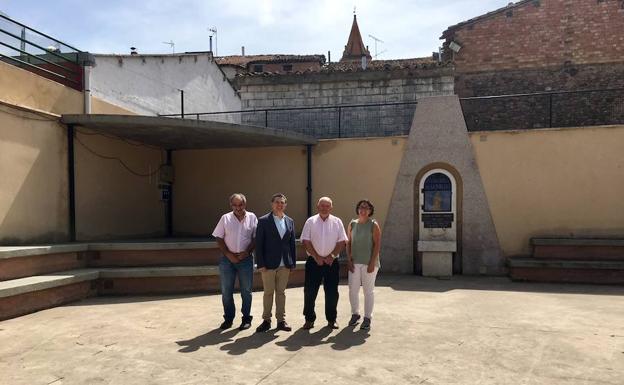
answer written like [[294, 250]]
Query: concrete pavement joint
[[278, 367]]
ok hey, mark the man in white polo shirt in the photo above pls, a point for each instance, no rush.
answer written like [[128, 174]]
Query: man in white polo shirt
[[235, 236], [324, 238]]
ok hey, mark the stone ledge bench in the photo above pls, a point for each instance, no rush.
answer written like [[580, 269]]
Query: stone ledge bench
[[581, 260], [19, 262], [26, 295], [578, 249]]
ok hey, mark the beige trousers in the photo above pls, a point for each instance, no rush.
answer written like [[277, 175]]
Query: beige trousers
[[275, 282]]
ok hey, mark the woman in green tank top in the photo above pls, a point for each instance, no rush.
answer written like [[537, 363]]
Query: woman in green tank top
[[363, 247]]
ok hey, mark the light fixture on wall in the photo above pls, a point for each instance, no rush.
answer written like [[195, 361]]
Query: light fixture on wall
[[455, 47]]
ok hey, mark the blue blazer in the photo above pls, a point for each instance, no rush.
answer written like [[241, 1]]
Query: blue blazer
[[271, 249]]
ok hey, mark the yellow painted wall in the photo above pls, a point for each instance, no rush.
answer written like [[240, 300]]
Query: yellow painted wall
[[347, 170], [563, 183], [33, 178], [26, 89], [33, 169], [111, 202], [204, 180]]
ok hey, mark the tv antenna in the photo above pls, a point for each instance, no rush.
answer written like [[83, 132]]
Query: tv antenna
[[376, 41], [171, 44], [213, 32]]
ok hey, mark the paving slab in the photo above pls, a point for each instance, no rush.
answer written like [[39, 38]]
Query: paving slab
[[467, 330]]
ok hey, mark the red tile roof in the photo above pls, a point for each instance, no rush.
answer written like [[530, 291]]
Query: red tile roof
[[375, 65], [243, 61]]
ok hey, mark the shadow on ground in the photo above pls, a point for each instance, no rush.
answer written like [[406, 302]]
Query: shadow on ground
[[347, 338], [213, 337], [466, 282], [402, 282]]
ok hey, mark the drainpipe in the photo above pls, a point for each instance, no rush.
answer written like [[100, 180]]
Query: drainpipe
[[169, 207], [87, 89], [71, 178], [88, 61], [309, 187]]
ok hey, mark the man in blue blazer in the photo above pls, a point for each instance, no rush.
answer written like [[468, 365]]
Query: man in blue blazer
[[275, 257]]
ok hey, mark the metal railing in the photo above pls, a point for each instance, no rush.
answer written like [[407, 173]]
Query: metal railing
[[544, 110], [323, 122], [32, 50]]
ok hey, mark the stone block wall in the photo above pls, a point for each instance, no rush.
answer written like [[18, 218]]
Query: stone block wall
[[324, 103]]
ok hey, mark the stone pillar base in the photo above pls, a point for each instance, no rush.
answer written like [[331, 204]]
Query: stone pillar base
[[437, 258], [437, 264]]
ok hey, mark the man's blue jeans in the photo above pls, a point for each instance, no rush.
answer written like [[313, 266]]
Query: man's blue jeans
[[228, 272]]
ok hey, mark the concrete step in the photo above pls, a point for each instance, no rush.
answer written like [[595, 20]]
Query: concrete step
[[578, 249], [27, 295], [569, 271], [177, 280], [19, 262]]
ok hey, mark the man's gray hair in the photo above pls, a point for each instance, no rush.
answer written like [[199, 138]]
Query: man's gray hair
[[238, 196], [325, 199]]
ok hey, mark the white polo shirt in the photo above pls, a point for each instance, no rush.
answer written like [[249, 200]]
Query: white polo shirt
[[324, 234], [236, 234]]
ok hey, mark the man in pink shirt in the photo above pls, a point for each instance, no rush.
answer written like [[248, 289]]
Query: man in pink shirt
[[324, 238], [235, 236]]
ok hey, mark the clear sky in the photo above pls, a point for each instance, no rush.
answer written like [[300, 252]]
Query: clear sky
[[407, 28]]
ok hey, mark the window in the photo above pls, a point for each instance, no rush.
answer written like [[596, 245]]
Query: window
[[438, 192], [258, 68], [287, 67]]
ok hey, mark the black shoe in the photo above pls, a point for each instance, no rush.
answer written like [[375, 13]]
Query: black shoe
[[245, 324], [264, 327], [308, 325], [366, 325], [225, 325], [333, 325], [282, 325], [354, 319]]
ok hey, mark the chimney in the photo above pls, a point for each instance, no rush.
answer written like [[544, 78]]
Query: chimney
[[328, 57], [243, 50], [133, 51]]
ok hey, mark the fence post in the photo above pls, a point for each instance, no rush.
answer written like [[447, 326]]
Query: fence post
[[550, 111], [266, 118], [339, 120], [182, 103]]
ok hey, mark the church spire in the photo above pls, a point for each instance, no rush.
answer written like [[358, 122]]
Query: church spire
[[355, 48]]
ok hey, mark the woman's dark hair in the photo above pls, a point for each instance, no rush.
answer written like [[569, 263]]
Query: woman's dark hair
[[372, 208]]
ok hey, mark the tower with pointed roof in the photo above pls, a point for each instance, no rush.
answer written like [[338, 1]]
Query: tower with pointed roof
[[355, 48]]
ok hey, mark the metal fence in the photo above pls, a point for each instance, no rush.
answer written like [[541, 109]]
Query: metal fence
[[37, 52], [544, 110], [348, 121]]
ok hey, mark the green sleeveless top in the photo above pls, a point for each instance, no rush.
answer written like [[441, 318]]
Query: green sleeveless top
[[362, 241]]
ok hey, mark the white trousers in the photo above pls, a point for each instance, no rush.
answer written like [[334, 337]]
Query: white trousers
[[360, 277]]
